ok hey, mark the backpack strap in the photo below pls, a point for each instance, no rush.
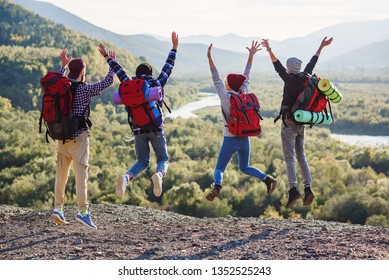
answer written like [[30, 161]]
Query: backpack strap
[[224, 113], [281, 116], [129, 116], [332, 116], [153, 84], [83, 122], [244, 110], [256, 107], [278, 117], [167, 107]]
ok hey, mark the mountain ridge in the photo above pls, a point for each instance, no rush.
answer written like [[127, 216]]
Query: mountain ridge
[[233, 55]]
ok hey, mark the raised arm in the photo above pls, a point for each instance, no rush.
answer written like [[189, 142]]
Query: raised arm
[[323, 44], [174, 40], [64, 58], [107, 54], [217, 80], [280, 69], [210, 59], [265, 43], [312, 63], [170, 61], [110, 57], [255, 46]]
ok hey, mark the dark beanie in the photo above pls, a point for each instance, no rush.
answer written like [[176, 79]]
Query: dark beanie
[[75, 68], [144, 69], [235, 81]]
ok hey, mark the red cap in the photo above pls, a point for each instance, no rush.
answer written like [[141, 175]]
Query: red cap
[[235, 81], [75, 68]]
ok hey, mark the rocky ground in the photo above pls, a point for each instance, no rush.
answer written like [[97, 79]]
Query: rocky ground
[[129, 232]]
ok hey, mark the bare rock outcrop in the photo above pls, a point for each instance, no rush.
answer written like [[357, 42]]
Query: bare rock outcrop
[[128, 232]]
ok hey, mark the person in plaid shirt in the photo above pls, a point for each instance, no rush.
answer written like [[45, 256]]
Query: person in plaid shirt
[[76, 150], [148, 134]]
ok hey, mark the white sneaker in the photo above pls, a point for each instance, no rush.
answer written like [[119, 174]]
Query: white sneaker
[[157, 181], [121, 186]]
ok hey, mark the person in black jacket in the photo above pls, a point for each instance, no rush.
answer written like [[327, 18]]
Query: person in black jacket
[[292, 133]]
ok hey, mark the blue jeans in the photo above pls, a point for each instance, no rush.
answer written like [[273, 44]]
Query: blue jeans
[[292, 138], [142, 150], [230, 146]]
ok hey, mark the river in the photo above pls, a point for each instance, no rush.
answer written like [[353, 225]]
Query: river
[[363, 140], [186, 111], [211, 99]]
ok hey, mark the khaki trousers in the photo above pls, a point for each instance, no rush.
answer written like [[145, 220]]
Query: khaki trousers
[[76, 151]]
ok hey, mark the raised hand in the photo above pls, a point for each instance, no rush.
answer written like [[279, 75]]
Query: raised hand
[[102, 50], [209, 55], [326, 42], [255, 46], [174, 40], [265, 43], [112, 54], [64, 57]]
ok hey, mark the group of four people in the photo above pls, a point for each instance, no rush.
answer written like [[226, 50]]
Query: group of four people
[[76, 150]]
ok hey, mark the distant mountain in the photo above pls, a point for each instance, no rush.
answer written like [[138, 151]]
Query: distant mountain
[[230, 41], [191, 58], [29, 47], [348, 39], [373, 55]]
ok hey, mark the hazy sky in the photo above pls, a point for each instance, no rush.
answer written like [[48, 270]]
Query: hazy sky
[[274, 19]]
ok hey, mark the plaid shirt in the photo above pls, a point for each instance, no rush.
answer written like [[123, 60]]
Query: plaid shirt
[[84, 94], [160, 81]]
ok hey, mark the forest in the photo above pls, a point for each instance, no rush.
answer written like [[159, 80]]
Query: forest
[[351, 183]]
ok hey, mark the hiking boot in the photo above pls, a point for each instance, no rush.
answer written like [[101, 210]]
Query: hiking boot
[[157, 181], [121, 186], [58, 217], [214, 193], [271, 184], [86, 220], [308, 196], [293, 196]]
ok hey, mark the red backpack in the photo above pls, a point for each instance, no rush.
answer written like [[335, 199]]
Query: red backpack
[[141, 112], [245, 115], [57, 107], [310, 98]]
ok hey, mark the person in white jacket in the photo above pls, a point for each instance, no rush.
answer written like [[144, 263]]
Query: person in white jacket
[[232, 144]]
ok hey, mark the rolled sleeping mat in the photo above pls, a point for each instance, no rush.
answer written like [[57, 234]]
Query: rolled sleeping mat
[[312, 117], [116, 98], [154, 94], [329, 90]]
